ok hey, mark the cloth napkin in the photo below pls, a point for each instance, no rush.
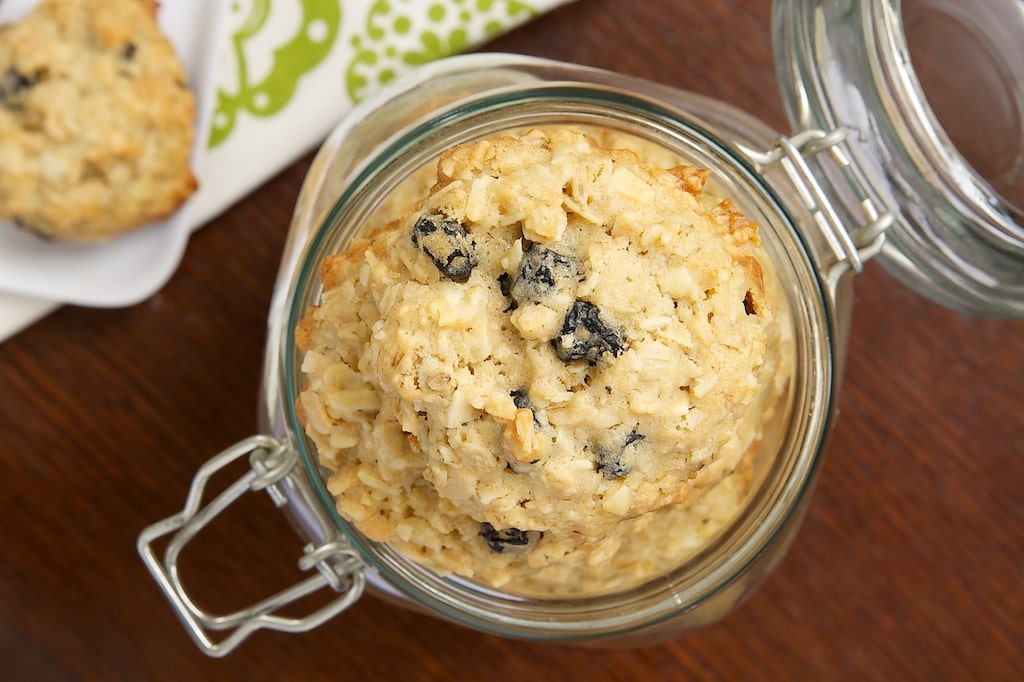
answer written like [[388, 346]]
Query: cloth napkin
[[288, 70]]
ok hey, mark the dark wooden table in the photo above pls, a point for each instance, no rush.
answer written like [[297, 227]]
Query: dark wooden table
[[910, 564]]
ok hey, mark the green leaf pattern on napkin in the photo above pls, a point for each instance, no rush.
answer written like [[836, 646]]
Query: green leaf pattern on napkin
[[303, 51], [403, 33], [379, 40]]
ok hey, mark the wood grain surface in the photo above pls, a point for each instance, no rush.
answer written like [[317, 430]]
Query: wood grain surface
[[908, 566]]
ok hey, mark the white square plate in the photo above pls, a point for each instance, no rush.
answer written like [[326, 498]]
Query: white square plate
[[131, 267]]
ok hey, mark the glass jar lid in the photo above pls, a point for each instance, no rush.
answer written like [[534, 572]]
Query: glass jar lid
[[889, 72]]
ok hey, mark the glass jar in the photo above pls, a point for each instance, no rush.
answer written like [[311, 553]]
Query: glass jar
[[823, 205], [957, 181]]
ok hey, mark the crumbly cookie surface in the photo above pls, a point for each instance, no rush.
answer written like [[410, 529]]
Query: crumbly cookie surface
[[554, 356], [96, 121]]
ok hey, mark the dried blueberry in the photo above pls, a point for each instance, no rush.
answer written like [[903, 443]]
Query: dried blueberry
[[633, 436], [609, 458], [584, 335], [508, 539], [541, 273], [609, 463], [448, 245], [522, 402], [505, 283], [12, 85]]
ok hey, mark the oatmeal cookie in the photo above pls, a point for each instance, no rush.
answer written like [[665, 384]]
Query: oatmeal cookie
[[96, 121], [557, 351]]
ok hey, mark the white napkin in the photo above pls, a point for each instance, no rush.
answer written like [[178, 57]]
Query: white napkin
[[289, 69]]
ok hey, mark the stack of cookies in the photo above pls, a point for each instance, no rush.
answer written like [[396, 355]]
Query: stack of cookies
[[550, 373]]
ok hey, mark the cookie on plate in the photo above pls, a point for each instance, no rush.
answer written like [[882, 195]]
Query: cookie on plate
[[96, 120], [546, 357]]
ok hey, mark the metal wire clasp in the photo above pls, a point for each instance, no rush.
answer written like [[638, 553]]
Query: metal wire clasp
[[338, 567], [851, 244]]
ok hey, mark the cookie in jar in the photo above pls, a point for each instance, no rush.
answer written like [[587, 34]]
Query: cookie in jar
[[551, 372]]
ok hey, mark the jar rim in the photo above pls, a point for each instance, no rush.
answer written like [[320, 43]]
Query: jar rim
[[664, 597]]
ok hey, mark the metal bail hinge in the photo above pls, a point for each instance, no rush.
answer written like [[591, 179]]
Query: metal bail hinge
[[336, 563], [854, 240]]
